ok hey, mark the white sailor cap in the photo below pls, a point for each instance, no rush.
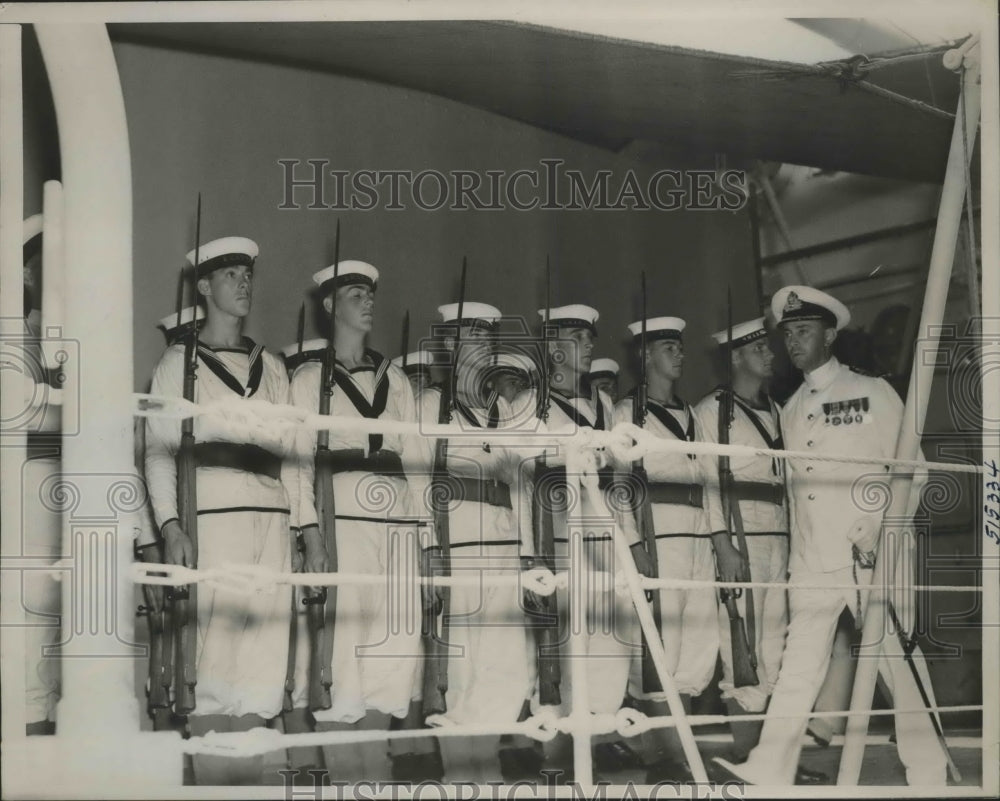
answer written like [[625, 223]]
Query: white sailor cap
[[604, 367], [225, 252], [308, 346], [312, 350], [188, 314], [658, 328], [743, 333], [576, 315], [31, 236], [414, 361], [513, 361], [480, 315], [348, 272], [791, 303]]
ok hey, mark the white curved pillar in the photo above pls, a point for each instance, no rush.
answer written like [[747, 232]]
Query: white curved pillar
[[98, 750]]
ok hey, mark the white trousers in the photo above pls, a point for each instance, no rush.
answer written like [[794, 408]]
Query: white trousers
[[610, 639], [688, 617], [242, 640], [811, 629], [376, 636]]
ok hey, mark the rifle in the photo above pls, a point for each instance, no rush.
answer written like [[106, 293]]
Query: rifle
[[435, 682], [185, 599], [288, 703], [744, 657], [321, 606], [547, 636], [643, 510]]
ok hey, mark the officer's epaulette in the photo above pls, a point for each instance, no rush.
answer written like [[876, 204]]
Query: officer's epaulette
[[868, 373]]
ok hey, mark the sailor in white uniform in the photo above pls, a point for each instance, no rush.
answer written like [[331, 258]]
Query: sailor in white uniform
[[148, 543], [296, 718], [376, 634], [417, 366], [243, 509], [833, 537], [510, 374], [759, 488], [490, 665], [612, 627], [683, 544], [604, 377]]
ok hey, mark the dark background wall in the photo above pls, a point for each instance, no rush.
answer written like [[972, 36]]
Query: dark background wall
[[220, 126]]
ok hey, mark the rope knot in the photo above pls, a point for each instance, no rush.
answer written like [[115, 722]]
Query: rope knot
[[631, 722], [541, 580], [256, 742], [543, 725]]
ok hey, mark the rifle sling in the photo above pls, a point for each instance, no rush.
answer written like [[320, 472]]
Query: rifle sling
[[238, 456]]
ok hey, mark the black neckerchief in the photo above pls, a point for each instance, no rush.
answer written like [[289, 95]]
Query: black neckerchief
[[357, 397], [776, 443], [571, 412], [255, 354], [659, 411], [493, 412]]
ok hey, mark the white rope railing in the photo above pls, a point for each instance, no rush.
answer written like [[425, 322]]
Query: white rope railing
[[542, 727], [248, 579]]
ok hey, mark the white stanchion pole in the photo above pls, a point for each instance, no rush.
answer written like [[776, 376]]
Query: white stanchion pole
[[12, 378], [625, 563], [876, 636]]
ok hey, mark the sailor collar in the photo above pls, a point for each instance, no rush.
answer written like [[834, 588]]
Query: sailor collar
[[822, 376]]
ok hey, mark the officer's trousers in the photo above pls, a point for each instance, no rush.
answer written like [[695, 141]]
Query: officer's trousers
[[812, 626]]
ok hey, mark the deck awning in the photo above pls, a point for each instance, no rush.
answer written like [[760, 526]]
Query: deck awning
[[888, 116]]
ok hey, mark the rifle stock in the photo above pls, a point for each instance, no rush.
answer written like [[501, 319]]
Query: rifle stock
[[435, 679], [157, 693], [185, 599], [744, 659], [744, 670], [321, 606], [547, 633], [644, 521], [287, 703], [643, 509]]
